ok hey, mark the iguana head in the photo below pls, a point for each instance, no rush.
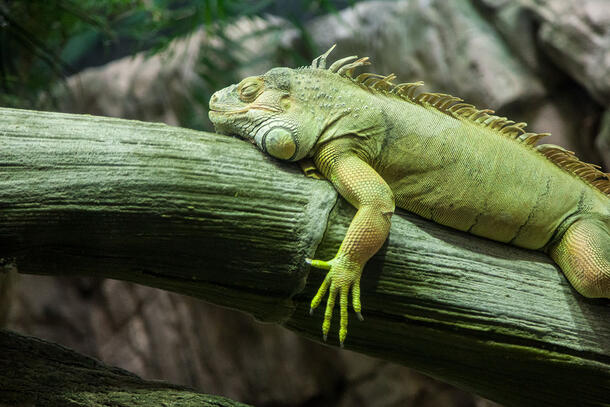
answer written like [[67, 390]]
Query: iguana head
[[286, 112]]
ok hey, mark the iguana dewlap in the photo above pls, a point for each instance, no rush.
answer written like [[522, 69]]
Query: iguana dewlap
[[384, 145]]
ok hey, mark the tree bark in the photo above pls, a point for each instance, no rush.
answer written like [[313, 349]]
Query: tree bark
[[40, 373], [209, 216]]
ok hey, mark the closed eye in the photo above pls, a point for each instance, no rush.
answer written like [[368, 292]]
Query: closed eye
[[249, 89]]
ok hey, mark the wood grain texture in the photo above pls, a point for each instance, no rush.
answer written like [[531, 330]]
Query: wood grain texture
[[197, 213], [209, 216], [487, 317], [34, 372]]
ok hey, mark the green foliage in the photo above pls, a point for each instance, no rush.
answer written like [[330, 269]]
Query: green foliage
[[33, 35], [44, 41]]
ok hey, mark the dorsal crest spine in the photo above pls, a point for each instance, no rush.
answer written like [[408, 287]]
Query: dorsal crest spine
[[456, 108]]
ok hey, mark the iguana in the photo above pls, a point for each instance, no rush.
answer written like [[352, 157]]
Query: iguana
[[384, 145]]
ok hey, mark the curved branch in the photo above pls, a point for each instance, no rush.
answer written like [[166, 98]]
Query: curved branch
[[36, 372], [209, 216]]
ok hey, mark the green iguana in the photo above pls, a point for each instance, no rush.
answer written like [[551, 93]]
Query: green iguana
[[383, 145]]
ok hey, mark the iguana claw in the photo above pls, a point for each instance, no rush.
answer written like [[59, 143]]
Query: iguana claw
[[342, 276]]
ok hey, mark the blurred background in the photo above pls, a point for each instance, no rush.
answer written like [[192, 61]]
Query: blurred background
[[546, 62]]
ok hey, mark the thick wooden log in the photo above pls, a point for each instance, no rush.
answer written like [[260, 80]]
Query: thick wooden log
[[209, 216], [197, 213], [34, 372]]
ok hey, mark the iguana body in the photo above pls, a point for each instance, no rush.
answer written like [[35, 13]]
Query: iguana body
[[382, 146]]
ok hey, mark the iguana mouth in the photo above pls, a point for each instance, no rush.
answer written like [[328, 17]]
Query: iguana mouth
[[244, 110], [228, 111]]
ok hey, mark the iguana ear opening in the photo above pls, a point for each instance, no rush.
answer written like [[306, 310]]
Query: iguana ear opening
[[279, 142]]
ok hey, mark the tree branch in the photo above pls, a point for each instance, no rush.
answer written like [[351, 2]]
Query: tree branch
[[209, 216], [36, 372]]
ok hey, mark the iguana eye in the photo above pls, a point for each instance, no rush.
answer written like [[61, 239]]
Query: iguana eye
[[249, 89]]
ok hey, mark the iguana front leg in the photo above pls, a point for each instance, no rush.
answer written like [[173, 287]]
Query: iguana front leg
[[361, 186]]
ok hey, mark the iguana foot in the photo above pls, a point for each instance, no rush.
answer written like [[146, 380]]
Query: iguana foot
[[343, 274]]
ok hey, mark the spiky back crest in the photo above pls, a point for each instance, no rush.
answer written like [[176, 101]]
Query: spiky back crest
[[457, 109]]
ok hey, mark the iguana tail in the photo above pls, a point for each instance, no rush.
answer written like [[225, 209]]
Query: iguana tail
[[583, 253]]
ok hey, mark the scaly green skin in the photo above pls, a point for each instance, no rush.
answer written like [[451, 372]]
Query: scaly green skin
[[382, 147]]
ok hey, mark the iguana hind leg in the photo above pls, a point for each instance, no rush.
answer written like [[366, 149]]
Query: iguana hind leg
[[583, 253]]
